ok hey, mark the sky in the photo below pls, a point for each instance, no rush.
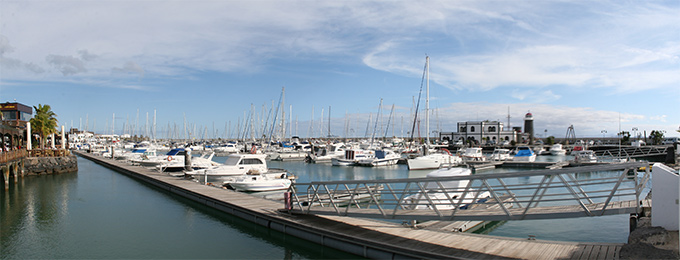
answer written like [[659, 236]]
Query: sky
[[207, 67]]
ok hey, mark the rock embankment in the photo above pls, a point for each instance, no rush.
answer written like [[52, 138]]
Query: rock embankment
[[50, 165]]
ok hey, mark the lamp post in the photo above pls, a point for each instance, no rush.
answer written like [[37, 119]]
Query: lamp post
[[603, 133], [635, 129]]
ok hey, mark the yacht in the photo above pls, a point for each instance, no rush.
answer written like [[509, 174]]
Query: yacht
[[196, 163], [176, 155], [500, 154], [236, 165], [444, 158], [556, 149], [383, 157], [325, 153], [524, 154], [584, 156], [473, 154], [261, 182], [352, 157]]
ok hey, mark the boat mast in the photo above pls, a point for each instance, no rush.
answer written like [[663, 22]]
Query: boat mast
[[427, 101]]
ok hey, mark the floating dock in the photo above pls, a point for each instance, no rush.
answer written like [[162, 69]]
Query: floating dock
[[364, 237]]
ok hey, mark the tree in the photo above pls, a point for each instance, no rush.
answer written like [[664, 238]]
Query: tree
[[44, 122], [550, 140], [625, 136], [656, 136]]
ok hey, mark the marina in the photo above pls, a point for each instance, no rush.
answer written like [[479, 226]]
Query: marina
[[266, 212]]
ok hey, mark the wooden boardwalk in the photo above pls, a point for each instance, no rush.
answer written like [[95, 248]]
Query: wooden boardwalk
[[365, 237]]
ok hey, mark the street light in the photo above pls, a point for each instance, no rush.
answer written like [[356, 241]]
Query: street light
[[635, 129], [603, 133]]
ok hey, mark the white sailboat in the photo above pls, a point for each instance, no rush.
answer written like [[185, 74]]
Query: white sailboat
[[436, 160]]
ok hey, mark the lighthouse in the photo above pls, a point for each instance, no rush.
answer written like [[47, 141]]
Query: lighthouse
[[529, 126]]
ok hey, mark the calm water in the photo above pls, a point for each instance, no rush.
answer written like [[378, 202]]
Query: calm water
[[610, 229], [98, 213]]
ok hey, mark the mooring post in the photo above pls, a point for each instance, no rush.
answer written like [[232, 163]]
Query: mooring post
[[633, 222], [187, 160]]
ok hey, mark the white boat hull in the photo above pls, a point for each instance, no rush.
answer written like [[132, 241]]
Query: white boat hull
[[531, 158], [260, 185]]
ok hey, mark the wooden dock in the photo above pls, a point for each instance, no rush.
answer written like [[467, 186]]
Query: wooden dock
[[365, 237]]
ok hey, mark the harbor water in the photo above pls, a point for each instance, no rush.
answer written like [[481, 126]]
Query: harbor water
[[99, 213]]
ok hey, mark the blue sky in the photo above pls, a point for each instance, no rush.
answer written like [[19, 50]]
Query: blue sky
[[590, 64]]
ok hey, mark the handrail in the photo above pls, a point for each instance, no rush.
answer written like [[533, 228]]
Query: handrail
[[12, 155], [537, 194]]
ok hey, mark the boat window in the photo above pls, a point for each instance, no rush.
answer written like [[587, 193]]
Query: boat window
[[251, 161], [232, 160]]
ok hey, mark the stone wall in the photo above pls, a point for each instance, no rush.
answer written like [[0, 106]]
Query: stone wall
[[50, 165]]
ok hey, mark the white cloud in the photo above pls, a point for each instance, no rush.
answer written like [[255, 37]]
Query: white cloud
[[130, 67], [67, 65]]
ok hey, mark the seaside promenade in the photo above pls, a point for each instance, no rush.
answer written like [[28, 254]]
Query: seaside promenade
[[365, 237]]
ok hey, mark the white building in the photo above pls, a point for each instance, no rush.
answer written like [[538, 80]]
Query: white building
[[483, 132]]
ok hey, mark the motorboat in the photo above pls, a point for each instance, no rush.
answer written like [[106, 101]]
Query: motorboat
[[261, 182], [197, 163], [444, 158], [176, 155], [540, 150], [352, 157], [524, 154], [556, 149], [135, 153], [443, 195], [473, 154], [326, 153], [584, 156], [230, 147], [382, 157], [500, 154], [236, 165]]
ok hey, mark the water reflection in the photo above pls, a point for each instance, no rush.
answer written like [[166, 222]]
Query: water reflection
[[98, 213]]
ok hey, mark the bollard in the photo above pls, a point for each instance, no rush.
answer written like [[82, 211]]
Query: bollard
[[187, 159], [633, 222], [288, 204]]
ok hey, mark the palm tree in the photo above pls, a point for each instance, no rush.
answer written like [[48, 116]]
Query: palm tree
[[44, 122]]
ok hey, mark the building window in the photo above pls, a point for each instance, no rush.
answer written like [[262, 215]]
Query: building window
[[462, 129], [472, 129], [492, 129]]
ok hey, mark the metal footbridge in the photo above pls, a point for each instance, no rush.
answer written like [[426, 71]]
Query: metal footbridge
[[540, 194]]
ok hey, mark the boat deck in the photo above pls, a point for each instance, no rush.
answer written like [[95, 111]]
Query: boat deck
[[365, 237]]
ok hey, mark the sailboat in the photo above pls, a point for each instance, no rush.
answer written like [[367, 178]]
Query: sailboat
[[431, 160]]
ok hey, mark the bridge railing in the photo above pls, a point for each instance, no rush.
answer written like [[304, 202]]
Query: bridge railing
[[8, 156], [562, 193], [633, 152]]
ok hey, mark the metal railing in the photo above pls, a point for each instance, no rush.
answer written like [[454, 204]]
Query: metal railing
[[541, 194], [634, 152]]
